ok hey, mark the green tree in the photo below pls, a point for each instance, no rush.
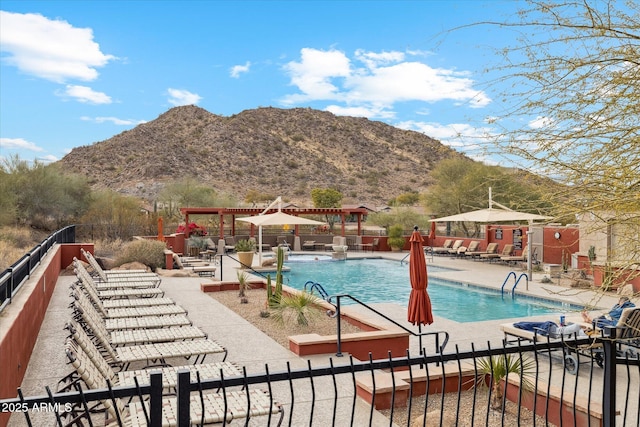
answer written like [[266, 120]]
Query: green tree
[[188, 192], [406, 199], [327, 198], [462, 185], [8, 209], [405, 217], [573, 77], [42, 195], [115, 216]]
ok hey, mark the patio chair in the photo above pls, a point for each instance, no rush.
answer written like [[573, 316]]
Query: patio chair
[[491, 248], [516, 258], [506, 251], [118, 303], [462, 250], [91, 355], [158, 353], [92, 320], [106, 275], [113, 313], [369, 246], [229, 244], [205, 408], [309, 245], [193, 265], [85, 280], [115, 284], [444, 249], [135, 322], [454, 248]]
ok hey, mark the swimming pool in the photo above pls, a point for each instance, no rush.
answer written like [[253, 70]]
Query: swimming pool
[[377, 281]]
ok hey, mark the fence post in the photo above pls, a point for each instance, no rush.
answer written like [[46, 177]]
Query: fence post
[[155, 399], [609, 378], [183, 398], [338, 332]]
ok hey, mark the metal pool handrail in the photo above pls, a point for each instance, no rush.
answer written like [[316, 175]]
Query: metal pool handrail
[[420, 334], [513, 295]]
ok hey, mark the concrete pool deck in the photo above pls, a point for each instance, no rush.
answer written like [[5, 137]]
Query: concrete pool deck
[[48, 362]]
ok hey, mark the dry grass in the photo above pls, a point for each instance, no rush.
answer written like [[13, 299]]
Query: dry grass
[[15, 242]]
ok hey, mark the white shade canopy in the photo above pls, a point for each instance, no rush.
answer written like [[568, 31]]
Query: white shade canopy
[[490, 215], [278, 218]]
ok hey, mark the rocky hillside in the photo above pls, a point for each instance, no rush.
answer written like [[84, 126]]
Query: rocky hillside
[[285, 152]]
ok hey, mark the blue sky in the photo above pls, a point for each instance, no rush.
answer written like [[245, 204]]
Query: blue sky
[[73, 73]]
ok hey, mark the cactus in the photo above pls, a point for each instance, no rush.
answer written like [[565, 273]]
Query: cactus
[[274, 297]]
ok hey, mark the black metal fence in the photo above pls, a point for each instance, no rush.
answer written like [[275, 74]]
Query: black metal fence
[[13, 277], [329, 394]]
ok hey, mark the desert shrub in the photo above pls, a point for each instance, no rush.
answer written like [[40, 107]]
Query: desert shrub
[[148, 252], [108, 248]]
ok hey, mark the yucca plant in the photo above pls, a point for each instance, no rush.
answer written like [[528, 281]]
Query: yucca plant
[[497, 368], [243, 286], [300, 306]]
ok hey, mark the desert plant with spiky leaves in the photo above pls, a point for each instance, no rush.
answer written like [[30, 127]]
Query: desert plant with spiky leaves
[[498, 367], [299, 307]]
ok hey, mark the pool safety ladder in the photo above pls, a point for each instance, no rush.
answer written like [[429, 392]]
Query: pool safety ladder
[[318, 287], [428, 252], [517, 279]]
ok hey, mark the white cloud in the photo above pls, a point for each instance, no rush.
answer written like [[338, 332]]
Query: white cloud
[[18, 144], [180, 97], [50, 49], [48, 158], [114, 120], [360, 111], [461, 136], [315, 75], [377, 81], [236, 70], [86, 95], [373, 59], [540, 122]]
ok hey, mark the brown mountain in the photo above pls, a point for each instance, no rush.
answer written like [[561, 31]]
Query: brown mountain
[[285, 152]]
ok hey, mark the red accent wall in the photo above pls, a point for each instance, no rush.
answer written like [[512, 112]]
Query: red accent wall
[[20, 330], [555, 249], [568, 243]]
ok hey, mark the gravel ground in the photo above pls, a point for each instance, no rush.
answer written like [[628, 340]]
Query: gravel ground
[[319, 322], [324, 325], [464, 410]]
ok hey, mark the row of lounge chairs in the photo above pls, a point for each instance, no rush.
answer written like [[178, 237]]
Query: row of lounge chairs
[[456, 249], [119, 329]]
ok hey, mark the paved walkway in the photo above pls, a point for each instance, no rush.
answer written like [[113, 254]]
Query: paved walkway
[[253, 349]]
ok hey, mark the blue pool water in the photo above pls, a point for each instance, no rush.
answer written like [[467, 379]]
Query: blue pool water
[[376, 281]]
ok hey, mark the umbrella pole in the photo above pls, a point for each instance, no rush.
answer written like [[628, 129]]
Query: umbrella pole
[[420, 337]]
